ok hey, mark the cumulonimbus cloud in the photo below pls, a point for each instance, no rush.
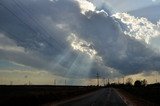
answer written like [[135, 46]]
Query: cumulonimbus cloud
[[59, 37], [138, 28]]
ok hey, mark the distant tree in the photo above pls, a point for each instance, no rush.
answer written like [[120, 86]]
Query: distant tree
[[138, 83], [129, 81], [144, 82]]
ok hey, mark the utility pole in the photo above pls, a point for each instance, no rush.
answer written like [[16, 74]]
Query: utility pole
[[108, 81], [123, 80], [104, 81], [65, 82], [97, 79], [11, 82], [54, 82], [30, 83], [118, 80], [156, 77]]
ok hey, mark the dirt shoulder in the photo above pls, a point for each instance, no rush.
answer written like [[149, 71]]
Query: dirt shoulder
[[132, 100]]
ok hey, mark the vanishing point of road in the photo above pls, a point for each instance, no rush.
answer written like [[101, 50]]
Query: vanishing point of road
[[102, 97]]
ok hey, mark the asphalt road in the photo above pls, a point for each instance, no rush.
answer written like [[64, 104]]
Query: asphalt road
[[102, 97]]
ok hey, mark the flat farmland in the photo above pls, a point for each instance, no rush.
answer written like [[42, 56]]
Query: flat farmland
[[34, 95]]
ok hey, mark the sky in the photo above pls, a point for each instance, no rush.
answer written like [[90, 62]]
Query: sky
[[47, 41], [130, 5]]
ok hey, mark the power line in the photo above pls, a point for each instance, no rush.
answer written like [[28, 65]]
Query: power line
[[35, 20], [16, 16], [3, 28], [28, 26]]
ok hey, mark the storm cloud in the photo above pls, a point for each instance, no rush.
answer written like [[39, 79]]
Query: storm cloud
[[74, 38]]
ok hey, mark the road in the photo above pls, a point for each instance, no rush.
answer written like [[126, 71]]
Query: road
[[102, 97]]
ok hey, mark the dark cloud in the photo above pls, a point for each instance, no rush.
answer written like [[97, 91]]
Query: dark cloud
[[42, 28]]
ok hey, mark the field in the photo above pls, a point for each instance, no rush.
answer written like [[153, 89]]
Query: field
[[149, 93], [34, 95]]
